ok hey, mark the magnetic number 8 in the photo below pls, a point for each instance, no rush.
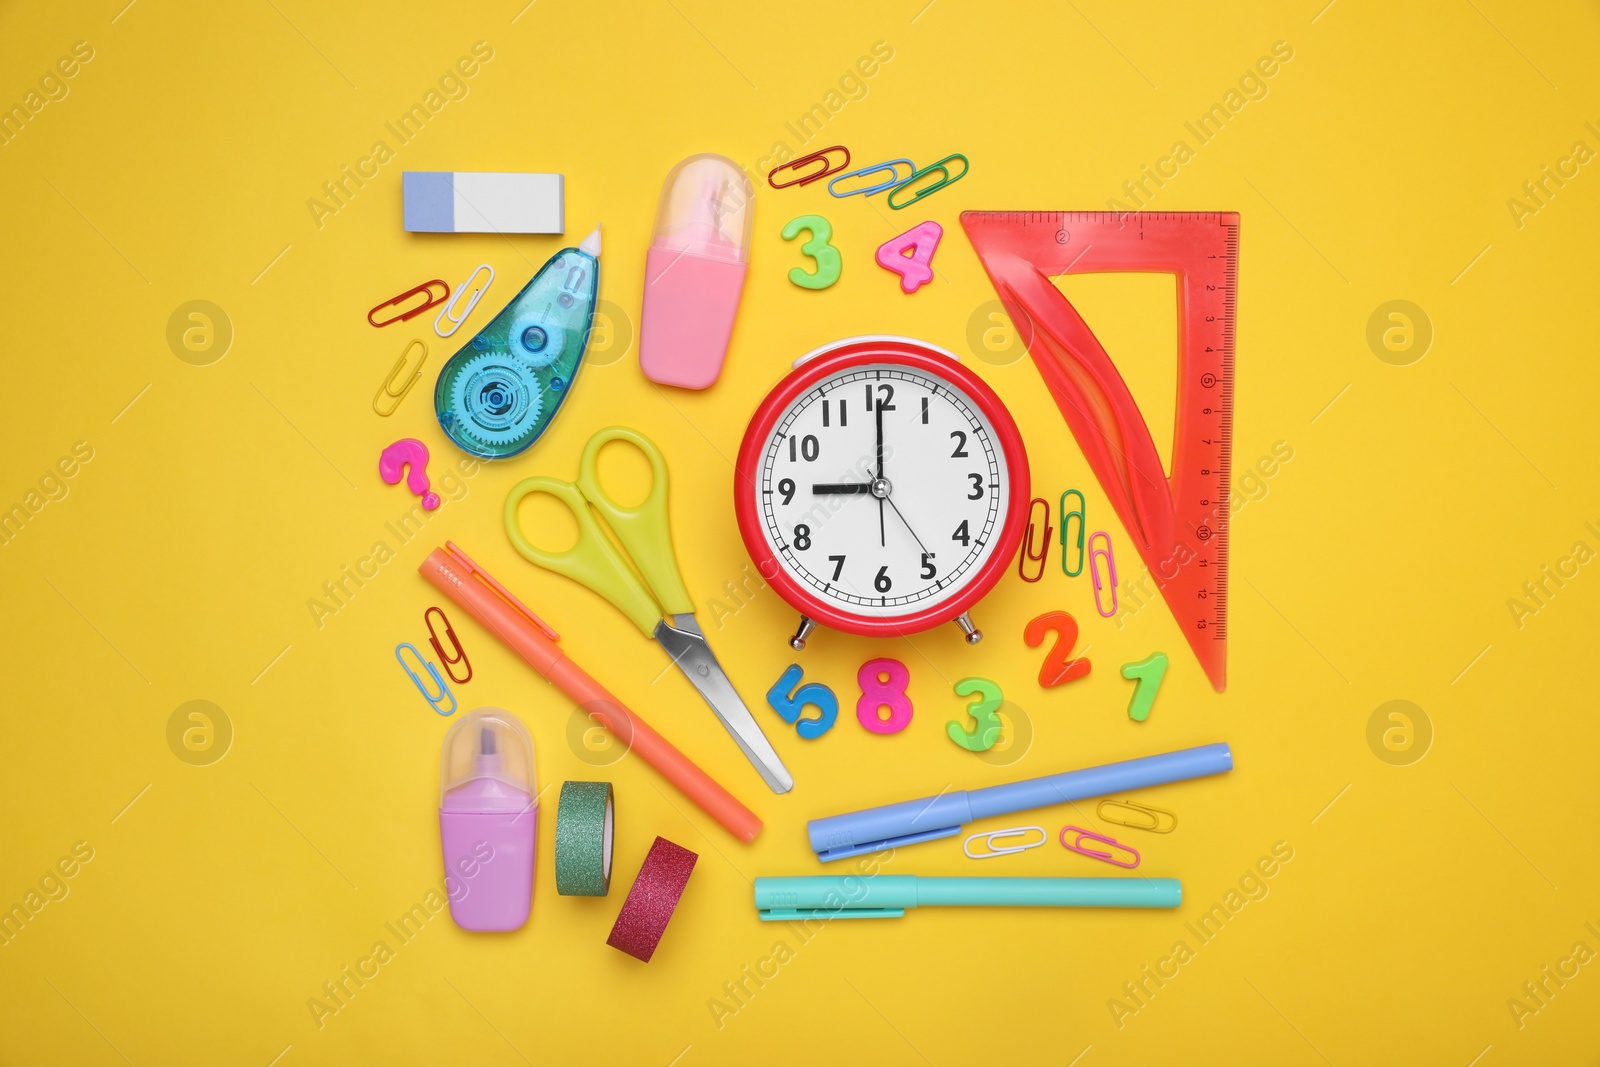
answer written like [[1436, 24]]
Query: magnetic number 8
[[829, 263], [883, 685]]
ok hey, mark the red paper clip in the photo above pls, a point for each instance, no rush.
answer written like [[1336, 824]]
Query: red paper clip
[[1027, 542], [448, 661], [814, 157], [1079, 834], [425, 287]]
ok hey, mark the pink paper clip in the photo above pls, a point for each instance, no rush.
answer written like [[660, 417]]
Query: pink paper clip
[[1095, 555], [1079, 833]]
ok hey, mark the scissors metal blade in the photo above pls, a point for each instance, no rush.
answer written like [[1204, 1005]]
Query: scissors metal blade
[[684, 641]]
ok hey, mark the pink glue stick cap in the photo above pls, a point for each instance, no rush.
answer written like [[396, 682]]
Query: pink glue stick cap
[[694, 271], [488, 820]]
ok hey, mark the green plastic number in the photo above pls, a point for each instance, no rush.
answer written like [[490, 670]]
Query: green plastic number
[[829, 263], [1147, 673], [983, 711]]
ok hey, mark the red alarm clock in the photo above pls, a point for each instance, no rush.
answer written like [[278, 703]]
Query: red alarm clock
[[881, 488]]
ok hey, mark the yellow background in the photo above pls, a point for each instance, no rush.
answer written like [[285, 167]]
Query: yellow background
[[1377, 566]]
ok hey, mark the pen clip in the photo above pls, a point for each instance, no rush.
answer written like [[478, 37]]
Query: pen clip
[[505, 594], [789, 914], [844, 852]]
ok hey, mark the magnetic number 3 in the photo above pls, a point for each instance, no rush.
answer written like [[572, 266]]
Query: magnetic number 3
[[883, 685], [829, 263], [984, 712]]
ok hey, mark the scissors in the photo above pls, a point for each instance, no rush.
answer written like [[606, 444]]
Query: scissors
[[659, 605]]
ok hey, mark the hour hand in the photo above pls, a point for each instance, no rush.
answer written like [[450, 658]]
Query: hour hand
[[861, 488]]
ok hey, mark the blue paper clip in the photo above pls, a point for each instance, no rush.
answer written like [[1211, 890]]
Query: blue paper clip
[[444, 690], [892, 166]]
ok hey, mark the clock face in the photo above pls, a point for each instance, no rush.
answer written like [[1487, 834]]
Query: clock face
[[883, 489]]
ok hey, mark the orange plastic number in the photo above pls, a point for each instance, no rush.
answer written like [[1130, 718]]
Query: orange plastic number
[[1057, 668]]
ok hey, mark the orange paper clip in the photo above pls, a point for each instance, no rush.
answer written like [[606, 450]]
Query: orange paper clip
[[455, 643], [814, 157], [1079, 834], [1027, 542], [425, 287]]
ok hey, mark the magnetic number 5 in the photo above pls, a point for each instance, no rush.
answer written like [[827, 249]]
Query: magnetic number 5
[[883, 685], [789, 705], [829, 263], [983, 711], [1056, 669]]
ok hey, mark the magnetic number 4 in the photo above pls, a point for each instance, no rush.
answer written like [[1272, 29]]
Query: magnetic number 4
[[910, 254]]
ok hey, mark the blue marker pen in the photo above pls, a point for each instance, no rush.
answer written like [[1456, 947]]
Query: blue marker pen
[[838, 837]]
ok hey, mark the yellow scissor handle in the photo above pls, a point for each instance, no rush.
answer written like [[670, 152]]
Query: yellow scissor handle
[[644, 530], [592, 560]]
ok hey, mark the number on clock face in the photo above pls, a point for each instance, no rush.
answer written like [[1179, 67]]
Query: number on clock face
[[883, 489]]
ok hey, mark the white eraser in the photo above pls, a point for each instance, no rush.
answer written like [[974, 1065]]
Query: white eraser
[[442, 201]]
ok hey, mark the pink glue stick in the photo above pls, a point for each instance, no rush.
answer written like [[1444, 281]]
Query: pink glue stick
[[488, 820], [694, 272]]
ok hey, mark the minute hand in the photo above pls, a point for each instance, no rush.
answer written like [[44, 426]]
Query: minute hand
[[861, 488]]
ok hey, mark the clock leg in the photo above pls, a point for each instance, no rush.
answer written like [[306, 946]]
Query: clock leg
[[798, 641], [973, 634]]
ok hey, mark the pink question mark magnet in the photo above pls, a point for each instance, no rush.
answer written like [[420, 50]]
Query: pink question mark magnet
[[409, 452]]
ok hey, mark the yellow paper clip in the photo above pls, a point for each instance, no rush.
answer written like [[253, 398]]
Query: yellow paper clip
[[387, 388], [1146, 818]]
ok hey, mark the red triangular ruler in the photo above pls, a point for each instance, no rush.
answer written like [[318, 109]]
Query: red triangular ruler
[[1179, 524]]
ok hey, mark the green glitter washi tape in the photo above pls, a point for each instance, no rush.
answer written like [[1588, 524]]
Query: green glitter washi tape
[[583, 839]]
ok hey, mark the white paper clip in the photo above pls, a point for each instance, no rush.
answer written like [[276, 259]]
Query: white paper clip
[[1000, 835], [449, 310]]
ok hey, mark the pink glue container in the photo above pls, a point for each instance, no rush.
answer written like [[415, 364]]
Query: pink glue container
[[695, 271], [488, 820]]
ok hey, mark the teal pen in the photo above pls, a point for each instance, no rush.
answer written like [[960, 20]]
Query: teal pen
[[887, 896]]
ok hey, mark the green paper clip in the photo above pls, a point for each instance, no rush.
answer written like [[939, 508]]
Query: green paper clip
[[1081, 513], [936, 186]]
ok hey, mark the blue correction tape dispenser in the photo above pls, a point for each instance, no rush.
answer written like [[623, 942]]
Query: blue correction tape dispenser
[[497, 395]]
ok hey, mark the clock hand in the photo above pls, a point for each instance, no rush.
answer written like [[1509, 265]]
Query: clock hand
[[860, 488], [883, 539], [909, 530], [879, 412]]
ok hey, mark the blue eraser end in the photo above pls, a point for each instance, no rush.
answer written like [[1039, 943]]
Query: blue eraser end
[[429, 201]]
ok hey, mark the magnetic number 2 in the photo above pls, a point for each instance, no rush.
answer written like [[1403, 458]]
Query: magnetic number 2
[[883, 685], [983, 711], [1057, 669], [829, 262], [910, 254], [789, 702]]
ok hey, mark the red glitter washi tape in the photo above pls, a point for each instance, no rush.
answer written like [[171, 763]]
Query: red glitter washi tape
[[653, 899]]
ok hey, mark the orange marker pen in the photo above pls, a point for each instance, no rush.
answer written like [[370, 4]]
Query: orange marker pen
[[492, 605]]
